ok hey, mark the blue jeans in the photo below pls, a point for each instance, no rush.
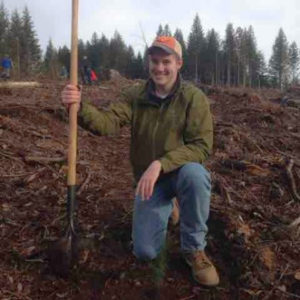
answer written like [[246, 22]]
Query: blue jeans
[[192, 186]]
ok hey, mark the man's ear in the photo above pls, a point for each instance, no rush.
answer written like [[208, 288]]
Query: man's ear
[[179, 63]]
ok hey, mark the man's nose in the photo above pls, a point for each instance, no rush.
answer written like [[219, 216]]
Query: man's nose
[[159, 67]]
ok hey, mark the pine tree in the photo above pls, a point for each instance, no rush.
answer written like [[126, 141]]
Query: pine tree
[[212, 57], [196, 45], [146, 61], [117, 53], [230, 51], [81, 53], [51, 61], [93, 51], [261, 70], [179, 37], [63, 56], [167, 31], [252, 55], [139, 69], [279, 61], [104, 52], [241, 55], [14, 39], [31, 51], [160, 31], [4, 27], [294, 60], [163, 30], [130, 61]]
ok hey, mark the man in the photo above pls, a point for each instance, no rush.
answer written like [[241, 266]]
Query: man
[[171, 135], [7, 66]]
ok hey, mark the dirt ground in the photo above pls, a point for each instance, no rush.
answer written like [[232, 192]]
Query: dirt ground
[[254, 225]]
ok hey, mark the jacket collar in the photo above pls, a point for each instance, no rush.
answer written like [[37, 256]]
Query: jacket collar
[[150, 90]]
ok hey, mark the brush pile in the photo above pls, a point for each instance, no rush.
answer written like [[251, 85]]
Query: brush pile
[[254, 236]]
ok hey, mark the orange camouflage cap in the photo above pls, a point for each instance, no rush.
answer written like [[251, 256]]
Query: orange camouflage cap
[[168, 44]]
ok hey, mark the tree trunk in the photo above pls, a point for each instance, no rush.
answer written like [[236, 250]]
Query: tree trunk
[[216, 69], [228, 73], [196, 70]]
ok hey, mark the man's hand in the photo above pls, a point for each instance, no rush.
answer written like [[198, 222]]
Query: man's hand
[[71, 95], [148, 180]]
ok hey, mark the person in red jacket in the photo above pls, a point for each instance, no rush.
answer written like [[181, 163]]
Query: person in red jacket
[[93, 75]]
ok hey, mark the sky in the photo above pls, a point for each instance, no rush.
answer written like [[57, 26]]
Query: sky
[[137, 18]]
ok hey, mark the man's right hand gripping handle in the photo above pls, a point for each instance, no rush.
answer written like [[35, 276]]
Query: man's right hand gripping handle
[[71, 94]]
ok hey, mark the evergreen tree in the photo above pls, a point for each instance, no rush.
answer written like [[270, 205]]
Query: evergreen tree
[[242, 55], [196, 45], [252, 55], [31, 51], [179, 37], [167, 31], [117, 53], [279, 61], [81, 49], [93, 51], [163, 30], [130, 62], [50, 55], [160, 31], [294, 60], [14, 39], [261, 70], [212, 57], [63, 56], [139, 67], [4, 27], [50, 63], [104, 52], [146, 62], [230, 51]]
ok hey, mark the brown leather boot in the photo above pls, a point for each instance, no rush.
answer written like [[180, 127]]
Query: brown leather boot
[[204, 272], [175, 212]]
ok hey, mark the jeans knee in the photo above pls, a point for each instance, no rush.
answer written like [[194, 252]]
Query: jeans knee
[[195, 173], [144, 252]]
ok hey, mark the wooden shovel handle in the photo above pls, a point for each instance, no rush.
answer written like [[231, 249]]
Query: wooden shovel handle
[[72, 151]]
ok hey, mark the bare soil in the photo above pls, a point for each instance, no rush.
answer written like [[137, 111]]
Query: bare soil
[[256, 186]]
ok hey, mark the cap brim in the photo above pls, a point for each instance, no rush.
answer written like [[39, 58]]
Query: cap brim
[[163, 47]]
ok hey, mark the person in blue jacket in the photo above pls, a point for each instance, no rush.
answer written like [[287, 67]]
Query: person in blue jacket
[[7, 66]]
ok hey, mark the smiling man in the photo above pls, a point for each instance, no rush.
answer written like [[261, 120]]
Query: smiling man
[[171, 136]]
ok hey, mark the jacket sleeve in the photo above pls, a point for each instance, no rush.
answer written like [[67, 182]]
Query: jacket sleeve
[[197, 136], [106, 121]]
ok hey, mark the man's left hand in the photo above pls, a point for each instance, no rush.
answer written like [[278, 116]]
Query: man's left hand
[[146, 183]]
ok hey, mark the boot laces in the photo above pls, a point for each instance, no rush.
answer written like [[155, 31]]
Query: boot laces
[[201, 260]]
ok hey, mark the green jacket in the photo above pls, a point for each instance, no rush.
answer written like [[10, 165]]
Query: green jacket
[[176, 131]]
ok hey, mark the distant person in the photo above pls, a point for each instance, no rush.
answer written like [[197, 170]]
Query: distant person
[[94, 77], [7, 65], [63, 73], [85, 71], [171, 137], [284, 101]]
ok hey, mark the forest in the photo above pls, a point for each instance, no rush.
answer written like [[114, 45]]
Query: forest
[[235, 60]]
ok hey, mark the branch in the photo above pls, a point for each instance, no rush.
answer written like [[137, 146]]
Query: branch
[[291, 179], [44, 159]]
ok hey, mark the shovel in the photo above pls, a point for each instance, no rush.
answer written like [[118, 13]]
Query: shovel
[[63, 253]]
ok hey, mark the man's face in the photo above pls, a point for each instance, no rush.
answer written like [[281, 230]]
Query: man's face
[[163, 68]]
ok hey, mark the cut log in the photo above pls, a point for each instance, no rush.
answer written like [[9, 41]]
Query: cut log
[[45, 159], [19, 84]]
